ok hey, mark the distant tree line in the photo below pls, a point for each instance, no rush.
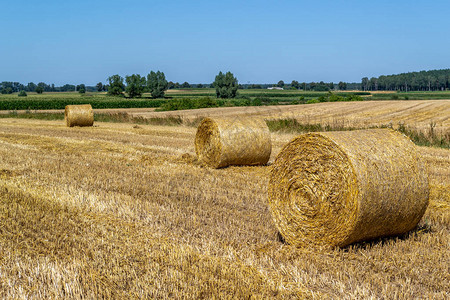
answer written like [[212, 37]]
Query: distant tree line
[[9, 87], [306, 86], [155, 83], [434, 80], [187, 85], [135, 85]]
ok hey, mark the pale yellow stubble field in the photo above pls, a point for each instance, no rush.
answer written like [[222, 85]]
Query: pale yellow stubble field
[[415, 113], [126, 211]]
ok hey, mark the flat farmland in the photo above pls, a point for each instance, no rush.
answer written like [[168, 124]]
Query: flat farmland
[[125, 210], [416, 113]]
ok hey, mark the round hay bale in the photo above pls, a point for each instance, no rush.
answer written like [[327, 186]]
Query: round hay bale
[[241, 141], [79, 115], [337, 188]]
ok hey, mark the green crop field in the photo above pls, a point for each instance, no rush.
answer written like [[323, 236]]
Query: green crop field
[[435, 95], [60, 100]]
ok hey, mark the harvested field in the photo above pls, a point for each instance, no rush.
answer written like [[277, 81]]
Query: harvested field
[[125, 211], [356, 113], [417, 113]]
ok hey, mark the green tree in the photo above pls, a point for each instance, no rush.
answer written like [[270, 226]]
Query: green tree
[[185, 85], [44, 86], [255, 86], [9, 87], [365, 83], [280, 84], [157, 84], [295, 84], [342, 85], [67, 88], [31, 87], [373, 85], [226, 85], [7, 90], [22, 93], [135, 85], [170, 85], [116, 86], [331, 85], [81, 88], [322, 86], [99, 87], [39, 89], [200, 86]]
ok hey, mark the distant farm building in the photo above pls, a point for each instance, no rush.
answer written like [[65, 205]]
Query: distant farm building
[[275, 88]]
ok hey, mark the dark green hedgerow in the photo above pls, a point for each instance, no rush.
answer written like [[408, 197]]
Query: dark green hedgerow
[[208, 102], [191, 103], [411, 96]]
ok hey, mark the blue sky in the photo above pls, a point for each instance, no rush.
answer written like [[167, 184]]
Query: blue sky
[[259, 41]]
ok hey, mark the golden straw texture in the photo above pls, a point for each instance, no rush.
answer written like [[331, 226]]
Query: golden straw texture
[[337, 188], [235, 141], [79, 115]]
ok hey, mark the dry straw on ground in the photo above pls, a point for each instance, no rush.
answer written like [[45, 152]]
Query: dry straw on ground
[[234, 141], [79, 115], [336, 188], [79, 219]]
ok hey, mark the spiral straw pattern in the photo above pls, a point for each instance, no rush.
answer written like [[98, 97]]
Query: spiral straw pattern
[[337, 188]]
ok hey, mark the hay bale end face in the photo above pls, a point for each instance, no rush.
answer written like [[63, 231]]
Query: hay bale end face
[[79, 115], [337, 188], [224, 142]]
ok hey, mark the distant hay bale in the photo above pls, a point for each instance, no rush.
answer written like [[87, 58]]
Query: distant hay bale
[[337, 188], [240, 141], [79, 115]]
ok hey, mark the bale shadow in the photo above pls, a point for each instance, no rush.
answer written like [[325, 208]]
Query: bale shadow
[[418, 230]]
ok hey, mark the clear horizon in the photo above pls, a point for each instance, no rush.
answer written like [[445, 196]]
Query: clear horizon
[[258, 41]]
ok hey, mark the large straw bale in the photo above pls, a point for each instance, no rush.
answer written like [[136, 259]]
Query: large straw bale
[[336, 188], [235, 141], [79, 115]]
